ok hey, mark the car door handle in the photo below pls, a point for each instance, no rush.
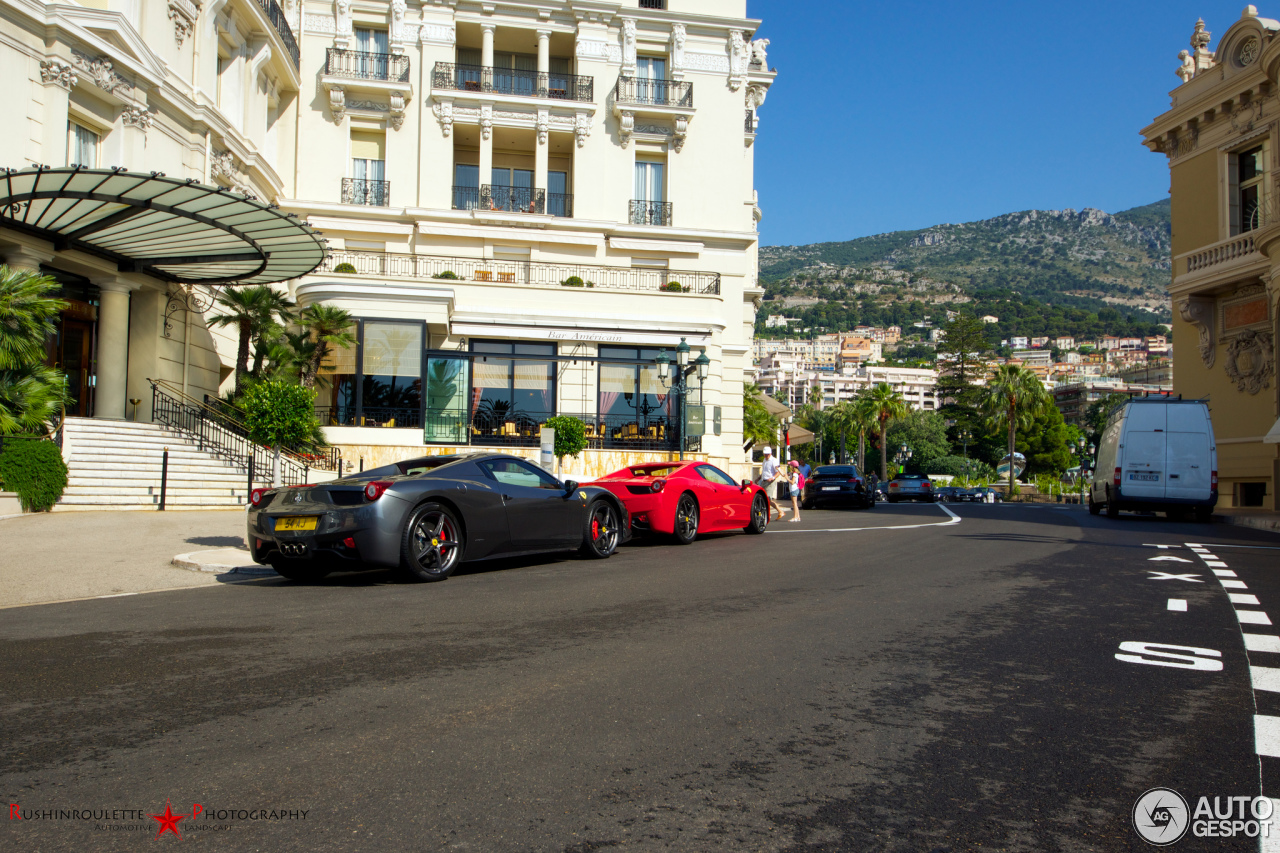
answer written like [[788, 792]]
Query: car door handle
[[508, 497]]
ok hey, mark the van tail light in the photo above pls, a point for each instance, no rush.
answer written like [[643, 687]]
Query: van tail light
[[255, 497], [658, 485], [1213, 480], [1116, 480], [374, 489]]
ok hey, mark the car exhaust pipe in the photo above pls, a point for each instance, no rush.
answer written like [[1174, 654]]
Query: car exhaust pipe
[[293, 549]]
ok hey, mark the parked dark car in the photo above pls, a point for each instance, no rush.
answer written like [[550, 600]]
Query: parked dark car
[[837, 484], [951, 494], [910, 487], [426, 516]]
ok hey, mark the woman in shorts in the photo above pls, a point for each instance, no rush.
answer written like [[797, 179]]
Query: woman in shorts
[[792, 482]]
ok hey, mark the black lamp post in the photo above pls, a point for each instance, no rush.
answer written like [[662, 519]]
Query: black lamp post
[[679, 381], [902, 457], [966, 436], [1085, 455]]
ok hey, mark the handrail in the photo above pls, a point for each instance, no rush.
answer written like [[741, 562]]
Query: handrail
[[220, 435]]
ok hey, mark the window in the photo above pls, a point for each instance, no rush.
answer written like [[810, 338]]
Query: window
[[558, 203], [371, 40], [466, 186], [391, 374], [372, 53], [714, 475], [632, 392], [368, 169], [512, 472], [647, 207], [512, 388], [82, 146], [1246, 204]]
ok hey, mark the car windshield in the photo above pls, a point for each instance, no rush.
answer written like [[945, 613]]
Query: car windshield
[[409, 467], [836, 471], [910, 477], [654, 470]]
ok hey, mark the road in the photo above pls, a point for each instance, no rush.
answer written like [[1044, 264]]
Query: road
[[899, 679]]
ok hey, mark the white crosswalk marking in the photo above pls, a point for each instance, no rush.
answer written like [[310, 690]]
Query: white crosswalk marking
[[1253, 617], [1224, 573], [1178, 604], [1234, 584], [1266, 735], [1242, 598], [1265, 678], [1262, 643]]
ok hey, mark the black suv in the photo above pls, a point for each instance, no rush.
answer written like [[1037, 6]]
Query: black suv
[[832, 484]]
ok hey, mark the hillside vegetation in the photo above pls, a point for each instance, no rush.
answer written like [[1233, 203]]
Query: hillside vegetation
[[1041, 264]]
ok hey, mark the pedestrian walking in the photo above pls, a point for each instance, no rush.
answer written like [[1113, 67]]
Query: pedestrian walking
[[768, 478], [795, 483]]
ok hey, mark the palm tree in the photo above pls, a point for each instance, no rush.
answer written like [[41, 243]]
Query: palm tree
[[328, 327], [30, 392], [253, 311], [864, 421], [884, 404], [843, 421], [758, 426], [1013, 397]]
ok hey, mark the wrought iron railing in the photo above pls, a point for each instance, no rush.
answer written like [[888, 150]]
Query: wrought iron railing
[[513, 199], [366, 66], [370, 416], [560, 204], [534, 273], [232, 419], [272, 10], [485, 428], [199, 424], [649, 212], [653, 4], [656, 93], [364, 191], [750, 126], [511, 81]]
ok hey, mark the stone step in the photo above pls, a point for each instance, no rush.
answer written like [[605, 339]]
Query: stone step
[[193, 481], [152, 469], [143, 491]]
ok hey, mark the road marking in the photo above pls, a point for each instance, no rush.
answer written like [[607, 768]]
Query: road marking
[[1253, 617], [1243, 598], [954, 519], [1265, 678], [1168, 559], [1217, 564], [1233, 584], [1165, 576], [1266, 735], [1166, 654], [117, 595], [1224, 573], [1178, 604], [1262, 643]]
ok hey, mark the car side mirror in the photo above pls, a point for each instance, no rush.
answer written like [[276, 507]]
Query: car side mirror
[[746, 484], [570, 486]]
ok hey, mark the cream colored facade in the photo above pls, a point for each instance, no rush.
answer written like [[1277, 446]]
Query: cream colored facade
[[1222, 139], [509, 146]]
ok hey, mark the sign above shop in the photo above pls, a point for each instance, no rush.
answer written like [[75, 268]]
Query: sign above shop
[[602, 336]]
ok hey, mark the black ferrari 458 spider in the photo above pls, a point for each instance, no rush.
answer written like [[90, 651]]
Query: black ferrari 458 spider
[[425, 516]]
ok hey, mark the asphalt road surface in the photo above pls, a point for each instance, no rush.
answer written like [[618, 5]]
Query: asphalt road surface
[[897, 679]]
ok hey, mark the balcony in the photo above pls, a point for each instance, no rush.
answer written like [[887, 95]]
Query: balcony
[[272, 10], [529, 273], [362, 191], [513, 200], [644, 92], [358, 65], [451, 76], [649, 212]]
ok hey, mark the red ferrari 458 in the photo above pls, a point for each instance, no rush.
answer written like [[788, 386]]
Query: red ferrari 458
[[687, 498]]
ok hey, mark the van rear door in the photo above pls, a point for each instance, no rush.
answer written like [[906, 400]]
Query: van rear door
[[1143, 471], [1188, 461]]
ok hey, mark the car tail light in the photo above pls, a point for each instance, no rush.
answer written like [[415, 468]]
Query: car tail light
[[893, 485], [925, 485], [349, 542], [255, 497], [374, 489], [855, 480], [1116, 480], [658, 485]]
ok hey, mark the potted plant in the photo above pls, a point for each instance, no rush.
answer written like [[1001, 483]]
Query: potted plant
[[449, 274], [674, 287], [573, 281], [345, 267]]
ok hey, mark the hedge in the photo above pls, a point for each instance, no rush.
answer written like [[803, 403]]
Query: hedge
[[34, 469]]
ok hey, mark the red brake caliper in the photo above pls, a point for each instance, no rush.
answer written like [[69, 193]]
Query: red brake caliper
[[595, 529]]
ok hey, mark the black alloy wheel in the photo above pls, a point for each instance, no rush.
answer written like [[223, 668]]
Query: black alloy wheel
[[603, 531], [431, 548], [759, 515], [686, 529], [302, 571]]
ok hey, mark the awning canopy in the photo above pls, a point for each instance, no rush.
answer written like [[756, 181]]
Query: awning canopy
[[773, 407], [799, 435], [175, 230]]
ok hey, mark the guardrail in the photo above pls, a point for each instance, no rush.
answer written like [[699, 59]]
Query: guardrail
[[645, 91], [272, 10]]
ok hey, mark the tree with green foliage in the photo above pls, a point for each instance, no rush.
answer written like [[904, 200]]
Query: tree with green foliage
[[926, 434], [31, 392], [329, 328], [1046, 442], [1012, 399], [279, 415], [965, 341], [571, 438], [758, 426], [886, 405], [1096, 415], [253, 311]]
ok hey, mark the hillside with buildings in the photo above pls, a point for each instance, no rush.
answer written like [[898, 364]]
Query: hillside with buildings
[[1084, 260]]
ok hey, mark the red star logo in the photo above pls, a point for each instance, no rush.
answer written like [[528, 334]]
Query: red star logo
[[168, 821]]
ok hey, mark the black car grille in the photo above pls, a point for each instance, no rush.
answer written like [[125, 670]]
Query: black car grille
[[347, 497], [640, 490]]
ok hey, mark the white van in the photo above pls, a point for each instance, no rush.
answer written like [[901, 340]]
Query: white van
[[1157, 453]]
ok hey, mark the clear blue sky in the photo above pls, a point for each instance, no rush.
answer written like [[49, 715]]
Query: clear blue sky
[[891, 116]]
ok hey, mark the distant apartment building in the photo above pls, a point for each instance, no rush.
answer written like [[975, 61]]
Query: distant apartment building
[[1064, 342], [893, 334], [1019, 342], [1038, 342], [1074, 398], [858, 351], [787, 379], [1037, 357], [989, 319]]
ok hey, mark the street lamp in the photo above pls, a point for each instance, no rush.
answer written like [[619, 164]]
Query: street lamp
[[902, 457], [1084, 455], [966, 436], [678, 380]]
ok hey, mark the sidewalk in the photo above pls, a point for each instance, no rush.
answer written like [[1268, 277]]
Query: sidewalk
[[66, 555], [1259, 519]]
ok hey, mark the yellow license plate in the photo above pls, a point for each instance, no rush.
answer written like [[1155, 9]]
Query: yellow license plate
[[297, 522]]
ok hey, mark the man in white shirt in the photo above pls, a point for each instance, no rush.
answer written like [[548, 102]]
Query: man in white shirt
[[769, 476]]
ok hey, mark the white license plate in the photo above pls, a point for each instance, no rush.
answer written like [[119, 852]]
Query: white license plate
[[1146, 478], [830, 488]]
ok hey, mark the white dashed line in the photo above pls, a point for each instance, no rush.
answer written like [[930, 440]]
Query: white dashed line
[[1266, 735], [1216, 564], [1178, 604], [1262, 643], [1224, 573], [1253, 617], [1243, 598], [1265, 678], [1232, 584]]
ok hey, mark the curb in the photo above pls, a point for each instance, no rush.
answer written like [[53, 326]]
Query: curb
[[221, 561], [1271, 525]]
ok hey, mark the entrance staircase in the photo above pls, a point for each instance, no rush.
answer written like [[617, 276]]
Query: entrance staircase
[[116, 465]]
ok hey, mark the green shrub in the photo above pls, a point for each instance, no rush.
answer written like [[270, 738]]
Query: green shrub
[[591, 284], [571, 435], [344, 267], [449, 274], [573, 281], [674, 287], [35, 470]]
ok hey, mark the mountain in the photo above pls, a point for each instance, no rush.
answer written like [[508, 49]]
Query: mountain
[[1084, 259]]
